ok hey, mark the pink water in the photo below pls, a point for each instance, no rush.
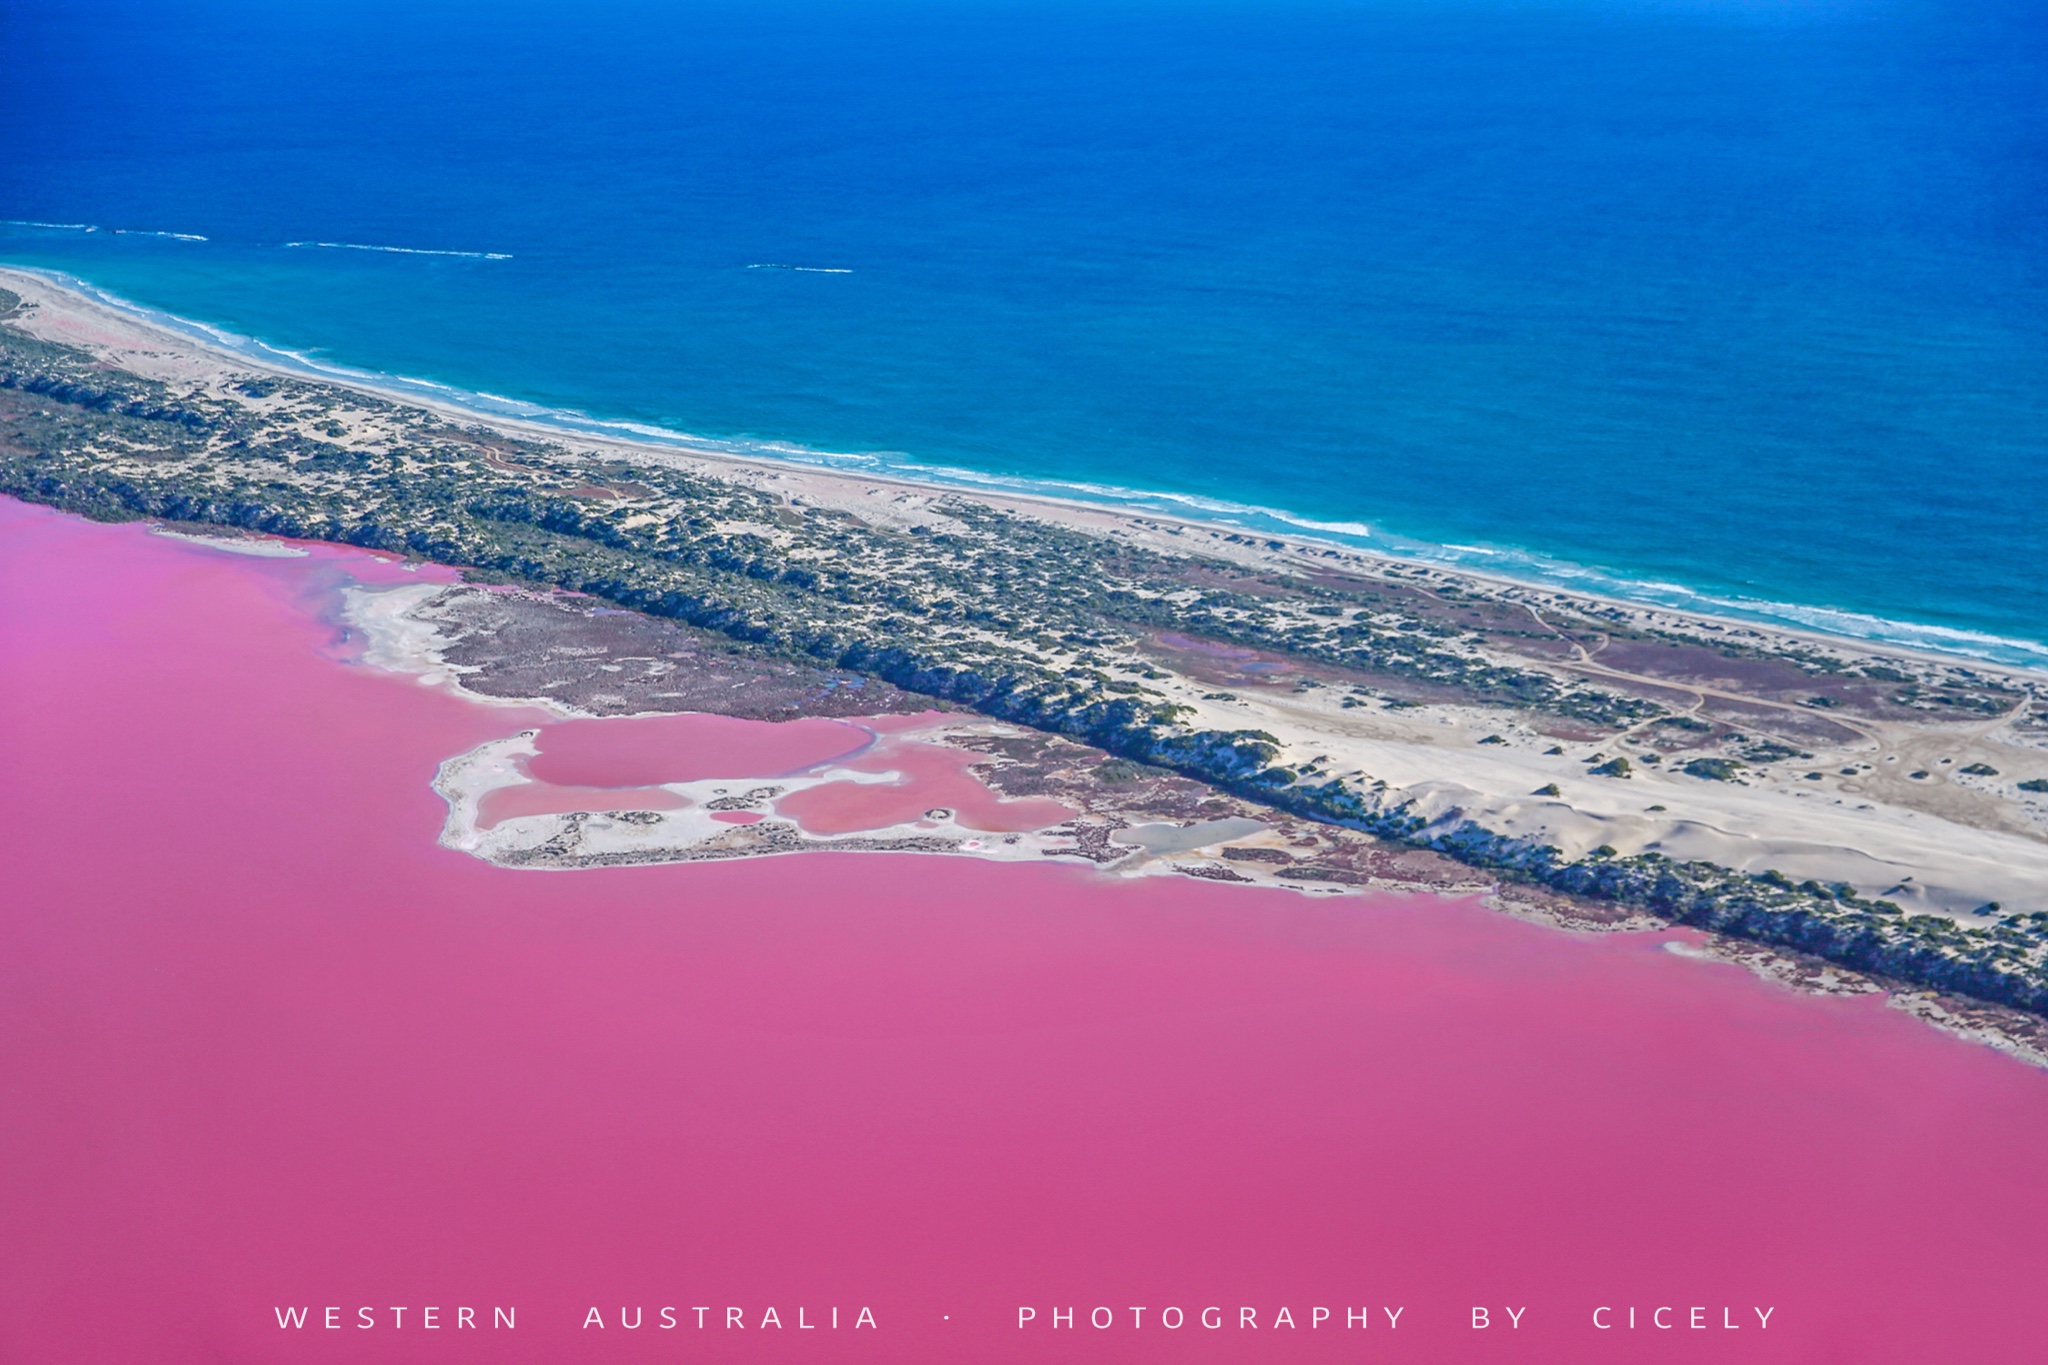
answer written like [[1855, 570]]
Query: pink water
[[266, 1044], [926, 777], [614, 764], [541, 798], [637, 751]]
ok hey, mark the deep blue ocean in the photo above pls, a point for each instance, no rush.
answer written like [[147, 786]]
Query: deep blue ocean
[[1740, 302]]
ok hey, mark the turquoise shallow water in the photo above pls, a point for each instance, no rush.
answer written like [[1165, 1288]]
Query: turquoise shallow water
[[1736, 306]]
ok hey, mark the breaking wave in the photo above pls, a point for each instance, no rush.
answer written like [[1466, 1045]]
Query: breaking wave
[[406, 250], [94, 227]]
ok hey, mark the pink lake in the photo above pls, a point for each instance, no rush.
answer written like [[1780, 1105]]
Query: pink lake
[[635, 751], [613, 764], [926, 777], [267, 1045]]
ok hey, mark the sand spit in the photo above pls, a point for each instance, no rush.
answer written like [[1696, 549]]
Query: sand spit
[[737, 817]]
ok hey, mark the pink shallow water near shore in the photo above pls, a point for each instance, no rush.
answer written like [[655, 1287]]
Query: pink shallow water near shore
[[539, 798], [634, 751], [268, 1045], [614, 764], [926, 777]]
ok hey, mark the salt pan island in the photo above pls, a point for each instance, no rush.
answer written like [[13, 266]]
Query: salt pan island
[[1039, 679]]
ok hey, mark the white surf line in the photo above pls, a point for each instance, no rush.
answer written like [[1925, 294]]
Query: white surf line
[[94, 227], [406, 250], [801, 269]]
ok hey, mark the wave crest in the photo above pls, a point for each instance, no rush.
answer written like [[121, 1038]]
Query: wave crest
[[405, 250], [94, 227]]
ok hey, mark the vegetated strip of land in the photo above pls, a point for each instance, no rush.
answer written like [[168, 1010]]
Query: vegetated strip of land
[[1065, 630]]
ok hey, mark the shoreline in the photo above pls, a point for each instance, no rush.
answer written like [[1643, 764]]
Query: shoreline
[[1062, 503]]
